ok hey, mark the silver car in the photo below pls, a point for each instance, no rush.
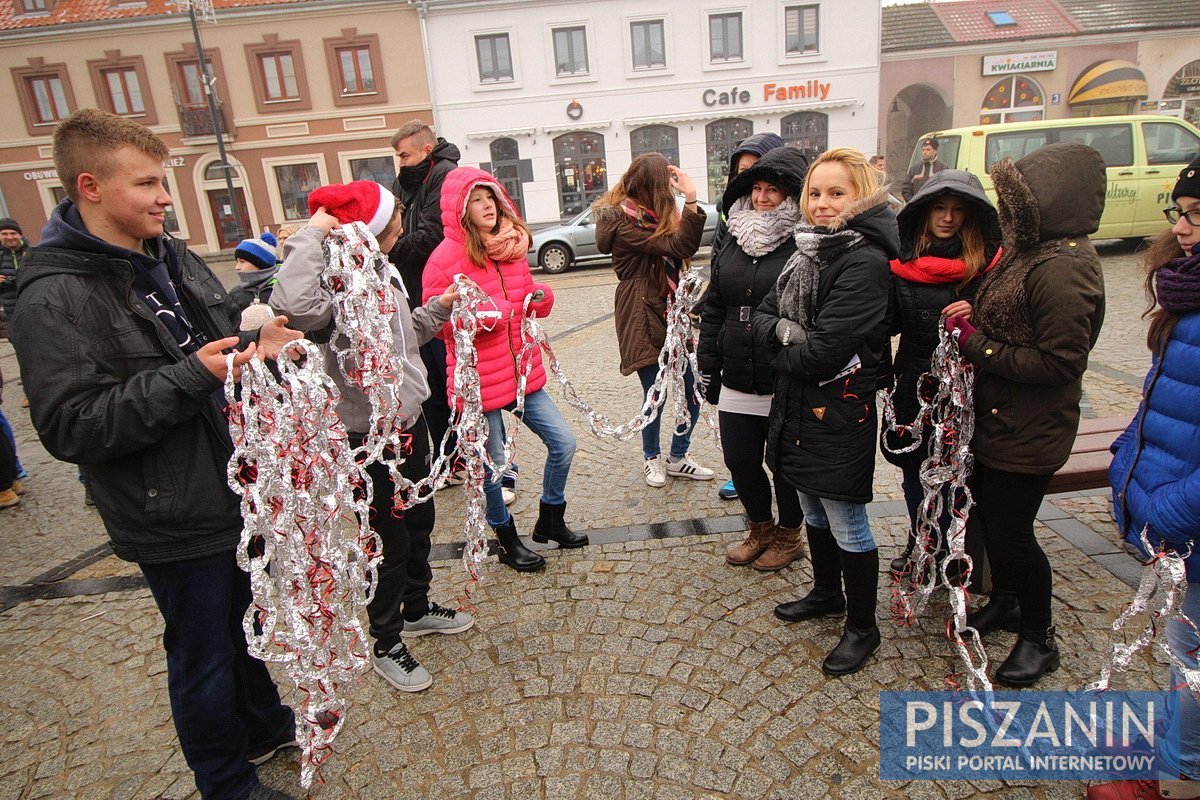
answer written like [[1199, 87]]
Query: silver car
[[556, 248]]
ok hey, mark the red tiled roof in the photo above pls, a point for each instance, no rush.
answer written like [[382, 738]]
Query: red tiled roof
[[65, 12], [968, 21]]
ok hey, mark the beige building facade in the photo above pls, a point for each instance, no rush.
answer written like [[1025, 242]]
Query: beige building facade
[[309, 93]]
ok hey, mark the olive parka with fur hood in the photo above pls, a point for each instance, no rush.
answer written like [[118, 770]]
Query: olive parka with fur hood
[[1038, 312]]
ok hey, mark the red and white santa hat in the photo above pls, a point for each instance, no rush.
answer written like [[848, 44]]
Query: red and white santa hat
[[357, 201]]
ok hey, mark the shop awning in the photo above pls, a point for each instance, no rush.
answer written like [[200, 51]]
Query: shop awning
[[1106, 81]]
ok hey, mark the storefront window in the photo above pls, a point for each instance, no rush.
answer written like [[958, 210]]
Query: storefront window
[[506, 166], [1185, 84], [295, 182], [1017, 98], [662, 139], [381, 169], [582, 170], [808, 131], [721, 138]]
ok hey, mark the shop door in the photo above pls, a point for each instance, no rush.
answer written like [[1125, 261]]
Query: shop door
[[230, 230], [506, 166], [581, 170]]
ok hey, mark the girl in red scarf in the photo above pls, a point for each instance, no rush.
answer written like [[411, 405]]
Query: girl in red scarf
[[949, 235], [486, 241]]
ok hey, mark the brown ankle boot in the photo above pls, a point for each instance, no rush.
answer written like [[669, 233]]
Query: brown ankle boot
[[787, 547], [758, 539]]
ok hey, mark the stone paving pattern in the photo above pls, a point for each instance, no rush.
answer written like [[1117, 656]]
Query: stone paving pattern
[[633, 669]]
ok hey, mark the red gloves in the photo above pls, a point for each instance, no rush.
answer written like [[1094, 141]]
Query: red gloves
[[963, 326]]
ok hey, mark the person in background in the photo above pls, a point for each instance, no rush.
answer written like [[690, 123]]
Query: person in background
[[949, 235], [13, 249], [122, 335], [737, 372], [401, 607], [1036, 317], [638, 222], [424, 162], [928, 166], [10, 486], [744, 156], [880, 163], [486, 241], [1155, 472], [826, 320], [281, 236], [256, 270]]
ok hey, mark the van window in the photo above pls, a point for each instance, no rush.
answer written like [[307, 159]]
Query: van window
[[1013, 145], [1114, 142], [1167, 143]]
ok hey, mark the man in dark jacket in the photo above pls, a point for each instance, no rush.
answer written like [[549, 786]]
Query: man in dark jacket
[[930, 165], [424, 161], [121, 335], [15, 248]]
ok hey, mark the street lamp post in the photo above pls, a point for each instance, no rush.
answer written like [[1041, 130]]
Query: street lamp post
[[210, 93]]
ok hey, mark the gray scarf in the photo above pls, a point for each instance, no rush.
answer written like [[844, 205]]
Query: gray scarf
[[796, 288], [760, 232]]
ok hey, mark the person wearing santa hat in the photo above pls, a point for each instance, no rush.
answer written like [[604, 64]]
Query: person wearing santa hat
[[401, 605], [486, 241]]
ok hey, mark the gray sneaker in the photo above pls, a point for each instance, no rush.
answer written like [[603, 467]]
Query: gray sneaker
[[401, 670], [438, 620]]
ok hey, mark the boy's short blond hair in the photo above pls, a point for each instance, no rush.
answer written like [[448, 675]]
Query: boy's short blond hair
[[88, 140], [415, 129]]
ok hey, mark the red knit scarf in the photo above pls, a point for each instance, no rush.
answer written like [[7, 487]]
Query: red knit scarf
[[932, 269]]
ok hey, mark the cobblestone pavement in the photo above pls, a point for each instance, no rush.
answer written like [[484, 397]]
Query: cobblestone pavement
[[639, 667]]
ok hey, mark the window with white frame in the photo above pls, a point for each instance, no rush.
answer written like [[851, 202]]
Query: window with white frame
[[800, 33], [649, 42], [725, 37], [296, 182], [494, 56], [570, 51]]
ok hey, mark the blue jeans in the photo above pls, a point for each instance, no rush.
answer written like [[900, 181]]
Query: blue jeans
[[681, 441], [7, 431], [847, 521], [223, 700], [542, 417], [1183, 640]]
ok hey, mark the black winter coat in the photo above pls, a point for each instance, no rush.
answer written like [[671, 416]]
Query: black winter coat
[[916, 307], [822, 430], [10, 260], [422, 217], [110, 389], [739, 283]]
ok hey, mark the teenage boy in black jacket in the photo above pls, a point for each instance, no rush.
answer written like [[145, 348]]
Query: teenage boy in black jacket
[[121, 333]]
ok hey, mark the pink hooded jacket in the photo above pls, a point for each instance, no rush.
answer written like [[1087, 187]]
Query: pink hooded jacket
[[498, 342]]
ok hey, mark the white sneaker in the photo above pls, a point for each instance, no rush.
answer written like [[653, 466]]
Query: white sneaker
[[438, 619], [509, 495], [686, 468], [401, 670], [654, 472]]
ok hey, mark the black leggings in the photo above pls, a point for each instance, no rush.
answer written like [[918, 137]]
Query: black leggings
[[1006, 504], [743, 440]]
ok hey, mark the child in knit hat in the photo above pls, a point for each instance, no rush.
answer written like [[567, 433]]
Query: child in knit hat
[[256, 268], [401, 606]]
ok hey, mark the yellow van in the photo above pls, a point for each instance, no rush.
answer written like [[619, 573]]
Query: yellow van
[[1143, 155]]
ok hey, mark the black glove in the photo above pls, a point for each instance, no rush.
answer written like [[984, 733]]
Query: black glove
[[711, 388]]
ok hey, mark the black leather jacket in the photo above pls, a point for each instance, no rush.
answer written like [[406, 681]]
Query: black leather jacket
[[109, 389]]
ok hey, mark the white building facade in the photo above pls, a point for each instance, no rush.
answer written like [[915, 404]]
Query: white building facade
[[556, 98]]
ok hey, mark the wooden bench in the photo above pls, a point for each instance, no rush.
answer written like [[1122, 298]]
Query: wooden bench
[[1087, 468]]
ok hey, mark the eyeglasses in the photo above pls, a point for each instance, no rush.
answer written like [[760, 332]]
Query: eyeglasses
[[1175, 212]]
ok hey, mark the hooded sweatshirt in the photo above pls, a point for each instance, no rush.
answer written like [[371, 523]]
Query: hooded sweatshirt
[[499, 342]]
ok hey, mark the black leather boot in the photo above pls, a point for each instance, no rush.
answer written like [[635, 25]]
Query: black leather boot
[[551, 525], [860, 638], [1002, 612], [1034, 655], [826, 598], [901, 563], [513, 552]]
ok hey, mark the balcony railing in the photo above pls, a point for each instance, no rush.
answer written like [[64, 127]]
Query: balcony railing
[[196, 120]]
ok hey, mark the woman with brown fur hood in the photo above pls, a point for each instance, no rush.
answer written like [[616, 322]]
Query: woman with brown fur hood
[[826, 321], [1037, 316]]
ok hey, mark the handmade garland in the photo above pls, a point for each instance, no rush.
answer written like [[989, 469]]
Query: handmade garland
[[945, 395], [306, 542]]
